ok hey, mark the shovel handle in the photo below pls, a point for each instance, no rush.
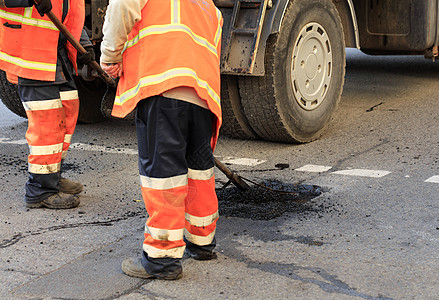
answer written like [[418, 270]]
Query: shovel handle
[[110, 81], [235, 178]]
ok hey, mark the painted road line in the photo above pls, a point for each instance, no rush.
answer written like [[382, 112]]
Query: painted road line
[[251, 162], [363, 173], [9, 141], [314, 168], [434, 179], [105, 149]]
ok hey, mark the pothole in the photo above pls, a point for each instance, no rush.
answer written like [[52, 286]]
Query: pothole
[[260, 203]]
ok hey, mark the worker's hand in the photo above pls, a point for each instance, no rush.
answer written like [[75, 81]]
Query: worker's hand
[[44, 7], [86, 58], [113, 70]]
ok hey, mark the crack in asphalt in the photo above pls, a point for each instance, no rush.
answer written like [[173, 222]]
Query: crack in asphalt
[[19, 236]]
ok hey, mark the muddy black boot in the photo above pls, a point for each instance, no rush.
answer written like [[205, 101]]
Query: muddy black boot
[[69, 187], [56, 201], [200, 252], [133, 267]]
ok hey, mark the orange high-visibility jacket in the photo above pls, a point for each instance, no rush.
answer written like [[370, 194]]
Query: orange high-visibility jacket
[[28, 42], [176, 43]]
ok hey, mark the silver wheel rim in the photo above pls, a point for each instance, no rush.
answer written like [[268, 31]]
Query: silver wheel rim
[[311, 66]]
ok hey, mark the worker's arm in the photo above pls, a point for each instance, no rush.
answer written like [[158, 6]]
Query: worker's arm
[[120, 18]]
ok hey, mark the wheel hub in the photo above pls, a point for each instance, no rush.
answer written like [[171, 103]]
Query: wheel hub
[[311, 66]]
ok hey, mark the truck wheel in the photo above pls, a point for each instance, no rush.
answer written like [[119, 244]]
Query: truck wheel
[[235, 123], [90, 96], [304, 75], [9, 96]]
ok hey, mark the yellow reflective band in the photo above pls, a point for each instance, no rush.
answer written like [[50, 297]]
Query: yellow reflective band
[[42, 105], [219, 29], [200, 174], [156, 79], [164, 234], [159, 253], [68, 138], [44, 169], [163, 29], [33, 65], [45, 150], [27, 19], [198, 239], [64, 155], [201, 221], [69, 95], [163, 183]]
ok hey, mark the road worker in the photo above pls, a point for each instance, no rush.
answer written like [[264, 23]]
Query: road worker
[[34, 54], [167, 54]]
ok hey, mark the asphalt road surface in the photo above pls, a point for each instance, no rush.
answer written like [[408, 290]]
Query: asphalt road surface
[[360, 219]]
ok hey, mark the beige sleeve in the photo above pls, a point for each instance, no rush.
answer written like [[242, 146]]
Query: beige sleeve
[[120, 18]]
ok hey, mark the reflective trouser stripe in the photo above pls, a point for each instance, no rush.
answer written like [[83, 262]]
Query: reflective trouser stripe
[[166, 212], [193, 207], [201, 219], [70, 102], [46, 127], [51, 123]]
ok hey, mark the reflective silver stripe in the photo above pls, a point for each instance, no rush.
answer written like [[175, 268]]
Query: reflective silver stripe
[[163, 183], [44, 169], [27, 63], [159, 253], [42, 105], [155, 79], [175, 11], [68, 138], [45, 150], [200, 174], [198, 239], [164, 234], [27, 19], [69, 95], [201, 221], [64, 155], [161, 29]]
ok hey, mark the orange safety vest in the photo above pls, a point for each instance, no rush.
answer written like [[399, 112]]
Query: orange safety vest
[[176, 43], [28, 42]]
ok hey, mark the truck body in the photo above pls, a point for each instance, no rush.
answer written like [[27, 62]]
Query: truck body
[[283, 61]]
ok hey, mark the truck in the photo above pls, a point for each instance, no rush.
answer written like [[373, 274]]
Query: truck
[[282, 61]]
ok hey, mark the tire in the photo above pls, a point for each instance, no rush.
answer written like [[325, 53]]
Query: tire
[[9, 96], [304, 75], [90, 97], [235, 124]]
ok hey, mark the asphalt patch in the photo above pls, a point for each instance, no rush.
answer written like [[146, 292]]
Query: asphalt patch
[[269, 202]]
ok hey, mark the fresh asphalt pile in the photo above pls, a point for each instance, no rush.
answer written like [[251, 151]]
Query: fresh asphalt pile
[[269, 200]]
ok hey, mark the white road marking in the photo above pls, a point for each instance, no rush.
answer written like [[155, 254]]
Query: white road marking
[[363, 173], [251, 162], [314, 168], [9, 141], [434, 179], [88, 147]]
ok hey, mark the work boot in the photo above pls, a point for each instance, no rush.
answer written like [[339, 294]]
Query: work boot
[[133, 267], [200, 254], [69, 187], [57, 201]]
